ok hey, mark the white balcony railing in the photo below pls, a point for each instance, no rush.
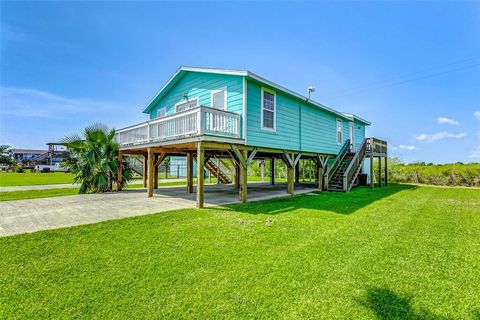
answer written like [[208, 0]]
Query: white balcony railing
[[192, 122]]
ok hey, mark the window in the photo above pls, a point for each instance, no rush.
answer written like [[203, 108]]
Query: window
[[268, 110], [219, 99], [161, 112], [185, 105], [339, 131]]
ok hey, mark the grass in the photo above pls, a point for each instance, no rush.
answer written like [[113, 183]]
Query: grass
[[33, 194], [58, 192], [8, 179], [399, 252]]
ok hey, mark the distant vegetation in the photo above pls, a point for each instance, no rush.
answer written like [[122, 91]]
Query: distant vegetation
[[456, 174]]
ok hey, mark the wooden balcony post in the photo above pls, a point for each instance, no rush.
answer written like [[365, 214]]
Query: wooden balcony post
[[371, 171], [379, 171], [297, 172], [386, 171], [200, 174], [243, 176], [120, 171], [189, 172], [272, 171], [236, 178], [320, 172], [145, 171], [291, 162], [321, 166], [290, 179], [151, 174], [155, 172]]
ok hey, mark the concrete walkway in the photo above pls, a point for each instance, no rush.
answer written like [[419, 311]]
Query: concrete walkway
[[22, 216]]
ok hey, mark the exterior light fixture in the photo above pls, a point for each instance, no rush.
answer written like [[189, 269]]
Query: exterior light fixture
[[310, 89]]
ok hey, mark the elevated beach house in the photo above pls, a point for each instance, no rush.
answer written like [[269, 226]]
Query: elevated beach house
[[209, 115]]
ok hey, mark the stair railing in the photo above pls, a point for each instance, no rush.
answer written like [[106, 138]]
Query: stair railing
[[352, 169], [337, 161], [224, 168]]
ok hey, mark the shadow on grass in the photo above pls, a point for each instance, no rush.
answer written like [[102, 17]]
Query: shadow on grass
[[385, 304], [338, 202]]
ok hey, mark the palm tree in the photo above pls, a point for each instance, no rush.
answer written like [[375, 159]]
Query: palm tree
[[93, 159]]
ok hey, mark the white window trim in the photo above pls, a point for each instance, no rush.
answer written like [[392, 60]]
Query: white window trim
[[185, 101], [341, 131], [274, 110], [225, 98], [162, 108]]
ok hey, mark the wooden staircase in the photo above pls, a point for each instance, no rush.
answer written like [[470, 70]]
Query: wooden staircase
[[336, 182], [343, 172], [136, 165], [217, 171]]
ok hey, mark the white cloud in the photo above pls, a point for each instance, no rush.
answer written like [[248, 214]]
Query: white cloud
[[475, 153], [445, 120], [409, 148], [23, 102], [476, 114], [438, 136]]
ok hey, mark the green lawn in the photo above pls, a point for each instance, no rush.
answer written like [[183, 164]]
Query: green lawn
[[27, 178], [32, 194], [399, 252], [58, 192]]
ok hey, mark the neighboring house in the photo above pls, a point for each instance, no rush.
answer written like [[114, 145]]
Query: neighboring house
[[30, 157], [209, 114], [25, 155]]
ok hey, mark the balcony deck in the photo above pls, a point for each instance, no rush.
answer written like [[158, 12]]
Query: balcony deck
[[218, 125]]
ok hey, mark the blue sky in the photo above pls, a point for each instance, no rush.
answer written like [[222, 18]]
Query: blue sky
[[411, 68]]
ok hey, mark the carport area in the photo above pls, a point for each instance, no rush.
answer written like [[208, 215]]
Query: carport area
[[21, 216]]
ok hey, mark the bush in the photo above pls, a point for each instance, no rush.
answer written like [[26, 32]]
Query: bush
[[455, 174]]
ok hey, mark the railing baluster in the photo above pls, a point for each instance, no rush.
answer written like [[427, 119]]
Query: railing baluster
[[195, 121]]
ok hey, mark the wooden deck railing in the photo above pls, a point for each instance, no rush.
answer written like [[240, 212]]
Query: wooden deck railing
[[192, 122], [354, 167], [376, 146]]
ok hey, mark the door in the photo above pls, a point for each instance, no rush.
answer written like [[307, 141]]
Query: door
[[351, 134]]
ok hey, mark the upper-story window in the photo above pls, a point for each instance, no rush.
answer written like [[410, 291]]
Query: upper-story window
[[339, 131], [161, 112], [268, 109], [219, 99], [185, 105]]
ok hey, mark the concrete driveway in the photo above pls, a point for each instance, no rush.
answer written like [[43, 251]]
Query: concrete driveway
[[22, 216]]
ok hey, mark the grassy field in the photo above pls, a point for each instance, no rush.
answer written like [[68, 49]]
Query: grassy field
[[399, 252], [32, 194], [25, 179]]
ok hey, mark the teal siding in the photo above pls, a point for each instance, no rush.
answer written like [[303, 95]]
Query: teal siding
[[198, 84], [287, 121], [299, 126], [359, 134]]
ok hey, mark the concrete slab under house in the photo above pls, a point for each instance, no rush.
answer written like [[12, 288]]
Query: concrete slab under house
[[221, 120]]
